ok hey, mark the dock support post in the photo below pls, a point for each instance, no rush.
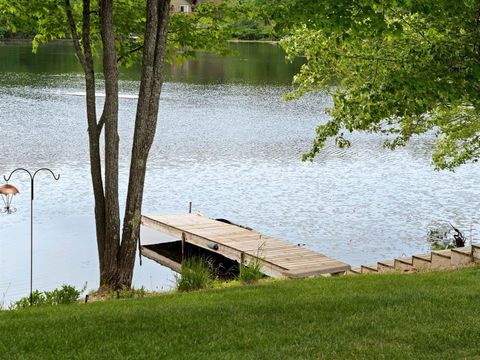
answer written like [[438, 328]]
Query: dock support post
[[190, 208], [140, 249], [183, 246]]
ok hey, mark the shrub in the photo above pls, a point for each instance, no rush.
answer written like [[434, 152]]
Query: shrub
[[65, 295], [196, 274], [38, 299], [250, 273], [253, 271]]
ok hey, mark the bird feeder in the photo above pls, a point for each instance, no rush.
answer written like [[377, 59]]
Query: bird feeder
[[7, 192]]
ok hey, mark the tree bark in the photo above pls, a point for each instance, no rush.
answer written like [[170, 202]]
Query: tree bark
[[154, 52], [109, 276], [85, 57]]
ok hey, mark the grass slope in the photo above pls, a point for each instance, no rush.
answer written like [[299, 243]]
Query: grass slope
[[428, 315]]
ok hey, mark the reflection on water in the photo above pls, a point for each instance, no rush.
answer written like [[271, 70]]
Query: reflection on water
[[248, 63], [231, 147]]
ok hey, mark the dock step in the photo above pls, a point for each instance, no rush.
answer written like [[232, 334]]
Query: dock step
[[438, 259], [354, 271], [369, 269], [404, 264], [461, 256], [441, 259], [423, 261], [386, 266], [476, 252]]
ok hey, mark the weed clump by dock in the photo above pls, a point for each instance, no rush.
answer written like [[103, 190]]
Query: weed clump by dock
[[196, 274]]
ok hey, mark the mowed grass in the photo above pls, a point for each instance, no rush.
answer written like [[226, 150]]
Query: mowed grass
[[392, 316]]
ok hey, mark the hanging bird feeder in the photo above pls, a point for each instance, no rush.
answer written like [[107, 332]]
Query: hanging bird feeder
[[7, 192]]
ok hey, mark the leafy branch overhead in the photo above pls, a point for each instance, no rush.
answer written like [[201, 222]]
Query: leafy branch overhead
[[400, 68], [45, 20]]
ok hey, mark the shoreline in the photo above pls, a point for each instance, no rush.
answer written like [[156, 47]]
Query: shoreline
[[24, 40], [271, 42]]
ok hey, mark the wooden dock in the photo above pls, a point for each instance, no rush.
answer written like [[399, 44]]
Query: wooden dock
[[277, 258]]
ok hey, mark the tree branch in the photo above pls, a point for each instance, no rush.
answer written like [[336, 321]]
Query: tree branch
[[130, 52], [100, 124], [87, 50], [73, 31]]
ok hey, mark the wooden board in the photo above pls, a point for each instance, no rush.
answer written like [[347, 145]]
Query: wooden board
[[162, 260], [278, 258]]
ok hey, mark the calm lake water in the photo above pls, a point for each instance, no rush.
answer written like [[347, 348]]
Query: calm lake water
[[227, 142]]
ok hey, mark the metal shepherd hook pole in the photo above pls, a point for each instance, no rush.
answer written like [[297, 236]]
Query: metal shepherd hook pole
[[32, 197]]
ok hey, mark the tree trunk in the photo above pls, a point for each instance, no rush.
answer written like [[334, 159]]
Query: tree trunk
[[154, 52], [116, 258], [108, 258], [84, 54]]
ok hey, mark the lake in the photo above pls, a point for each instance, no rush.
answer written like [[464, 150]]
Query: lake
[[228, 142]]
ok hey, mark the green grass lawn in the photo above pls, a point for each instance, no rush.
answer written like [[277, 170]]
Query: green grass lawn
[[427, 315]]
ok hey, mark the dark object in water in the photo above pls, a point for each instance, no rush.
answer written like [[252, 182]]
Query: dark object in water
[[459, 238]]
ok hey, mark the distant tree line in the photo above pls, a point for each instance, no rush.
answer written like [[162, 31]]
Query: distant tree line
[[252, 20]]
